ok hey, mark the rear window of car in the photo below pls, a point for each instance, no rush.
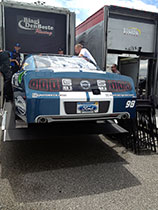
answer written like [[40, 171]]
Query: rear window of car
[[45, 62]]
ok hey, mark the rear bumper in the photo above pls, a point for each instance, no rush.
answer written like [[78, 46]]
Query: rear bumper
[[63, 107], [81, 117]]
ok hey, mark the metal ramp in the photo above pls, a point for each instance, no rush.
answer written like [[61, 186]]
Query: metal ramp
[[14, 130], [137, 135]]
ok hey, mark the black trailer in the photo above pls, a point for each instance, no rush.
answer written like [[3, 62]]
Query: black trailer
[[38, 28]]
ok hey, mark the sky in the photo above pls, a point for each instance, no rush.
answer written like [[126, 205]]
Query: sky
[[85, 8]]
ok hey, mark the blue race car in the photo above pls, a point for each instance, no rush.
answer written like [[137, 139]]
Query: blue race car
[[52, 88]]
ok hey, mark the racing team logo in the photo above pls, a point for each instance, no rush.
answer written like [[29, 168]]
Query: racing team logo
[[31, 25]]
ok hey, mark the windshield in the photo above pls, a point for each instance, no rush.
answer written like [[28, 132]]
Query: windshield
[[43, 62]]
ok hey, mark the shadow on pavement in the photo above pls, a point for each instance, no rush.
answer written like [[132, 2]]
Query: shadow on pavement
[[65, 167]]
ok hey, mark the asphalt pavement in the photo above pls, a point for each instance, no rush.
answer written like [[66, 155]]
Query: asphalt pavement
[[80, 172]]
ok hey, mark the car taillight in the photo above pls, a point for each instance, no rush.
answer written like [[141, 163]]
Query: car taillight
[[59, 84], [50, 85], [118, 86]]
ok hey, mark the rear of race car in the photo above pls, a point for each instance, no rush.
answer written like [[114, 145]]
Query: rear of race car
[[77, 96]]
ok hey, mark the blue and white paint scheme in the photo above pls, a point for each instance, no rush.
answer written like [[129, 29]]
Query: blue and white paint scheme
[[69, 88]]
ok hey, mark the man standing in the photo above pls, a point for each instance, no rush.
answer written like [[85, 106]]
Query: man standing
[[6, 72], [114, 69], [15, 58], [83, 52]]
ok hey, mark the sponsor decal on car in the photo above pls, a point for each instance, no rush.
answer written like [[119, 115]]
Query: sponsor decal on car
[[102, 85], [85, 84], [20, 105], [67, 84], [36, 95]]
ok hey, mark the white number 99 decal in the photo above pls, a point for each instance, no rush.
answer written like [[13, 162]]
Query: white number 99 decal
[[130, 104]]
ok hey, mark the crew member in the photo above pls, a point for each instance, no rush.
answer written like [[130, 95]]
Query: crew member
[[15, 58], [60, 51], [6, 72], [83, 52], [114, 69]]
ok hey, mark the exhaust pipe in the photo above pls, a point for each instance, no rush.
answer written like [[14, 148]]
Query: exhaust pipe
[[42, 120], [125, 116]]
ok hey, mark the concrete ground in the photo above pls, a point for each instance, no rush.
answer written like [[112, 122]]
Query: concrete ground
[[76, 172]]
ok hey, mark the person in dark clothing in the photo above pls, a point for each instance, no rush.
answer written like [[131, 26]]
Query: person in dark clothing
[[6, 72], [60, 51], [15, 58]]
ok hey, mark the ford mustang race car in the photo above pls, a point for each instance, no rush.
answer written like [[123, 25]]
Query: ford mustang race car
[[52, 88]]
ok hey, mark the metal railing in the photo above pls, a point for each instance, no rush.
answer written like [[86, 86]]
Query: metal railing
[[1, 92]]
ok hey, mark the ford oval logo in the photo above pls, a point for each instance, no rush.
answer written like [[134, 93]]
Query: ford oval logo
[[85, 84], [87, 108]]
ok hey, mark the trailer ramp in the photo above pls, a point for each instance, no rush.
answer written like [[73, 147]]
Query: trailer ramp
[[135, 134], [14, 130]]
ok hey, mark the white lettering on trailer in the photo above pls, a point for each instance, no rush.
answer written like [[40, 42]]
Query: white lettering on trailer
[[131, 31], [33, 24]]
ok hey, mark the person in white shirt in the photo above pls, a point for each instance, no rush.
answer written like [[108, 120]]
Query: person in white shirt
[[114, 69], [83, 52]]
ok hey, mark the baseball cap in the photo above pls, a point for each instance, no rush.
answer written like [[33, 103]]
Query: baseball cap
[[17, 45], [60, 49]]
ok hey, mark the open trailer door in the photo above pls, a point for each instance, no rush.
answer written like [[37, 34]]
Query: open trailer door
[[129, 66]]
